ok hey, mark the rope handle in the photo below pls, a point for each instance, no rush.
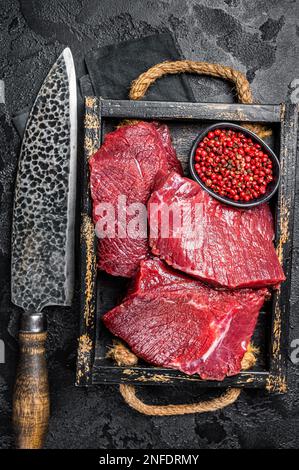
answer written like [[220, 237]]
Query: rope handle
[[124, 357], [145, 80], [128, 393], [121, 354]]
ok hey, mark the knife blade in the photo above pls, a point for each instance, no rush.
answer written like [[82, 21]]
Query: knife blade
[[42, 263]]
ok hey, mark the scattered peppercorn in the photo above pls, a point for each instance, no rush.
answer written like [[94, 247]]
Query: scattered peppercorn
[[232, 165]]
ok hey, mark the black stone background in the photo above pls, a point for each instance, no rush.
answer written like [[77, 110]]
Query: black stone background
[[259, 38]]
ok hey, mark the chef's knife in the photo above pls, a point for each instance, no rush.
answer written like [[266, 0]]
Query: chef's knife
[[43, 238]]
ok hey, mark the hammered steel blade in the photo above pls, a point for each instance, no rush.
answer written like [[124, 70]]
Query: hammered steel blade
[[44, 207]]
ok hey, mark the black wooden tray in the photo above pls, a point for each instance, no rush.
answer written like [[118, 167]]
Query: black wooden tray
[[100, 292]]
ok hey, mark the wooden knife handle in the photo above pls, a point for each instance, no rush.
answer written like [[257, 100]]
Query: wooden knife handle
[[31, 404]]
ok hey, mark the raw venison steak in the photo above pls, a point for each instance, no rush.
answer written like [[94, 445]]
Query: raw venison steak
[[217, 244], [172, 320], [131, 162]]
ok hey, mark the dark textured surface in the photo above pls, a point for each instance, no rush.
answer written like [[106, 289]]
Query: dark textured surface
[[259, 38]]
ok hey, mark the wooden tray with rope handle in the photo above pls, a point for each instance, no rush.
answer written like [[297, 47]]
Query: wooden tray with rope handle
[[265, 363]]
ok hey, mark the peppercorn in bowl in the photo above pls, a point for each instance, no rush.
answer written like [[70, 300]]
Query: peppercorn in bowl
[[234, 165]]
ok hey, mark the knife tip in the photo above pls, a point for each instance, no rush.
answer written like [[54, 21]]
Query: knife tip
[[67, 52]]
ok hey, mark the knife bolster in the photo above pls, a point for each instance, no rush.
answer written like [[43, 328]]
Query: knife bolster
[[31, 404], [33, 323]]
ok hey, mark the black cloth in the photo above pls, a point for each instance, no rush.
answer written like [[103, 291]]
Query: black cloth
[[20, 120], [113, 68]]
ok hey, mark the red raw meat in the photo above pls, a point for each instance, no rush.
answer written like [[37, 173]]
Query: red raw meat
[[131, 161], [219, 244], [171, 320]]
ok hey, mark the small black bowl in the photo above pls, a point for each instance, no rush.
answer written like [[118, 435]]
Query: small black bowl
[[271, 187]]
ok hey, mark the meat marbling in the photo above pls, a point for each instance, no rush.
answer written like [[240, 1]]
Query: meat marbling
[[131, 162], [221, 245], [174, 321]]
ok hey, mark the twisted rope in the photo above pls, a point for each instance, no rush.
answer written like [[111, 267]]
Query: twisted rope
[[124, 357], [128, 392], [145, 80]]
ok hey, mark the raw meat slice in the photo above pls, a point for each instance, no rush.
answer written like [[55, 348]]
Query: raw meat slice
[[173, 163], [218, 244], [172, 320], [130, 163]]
